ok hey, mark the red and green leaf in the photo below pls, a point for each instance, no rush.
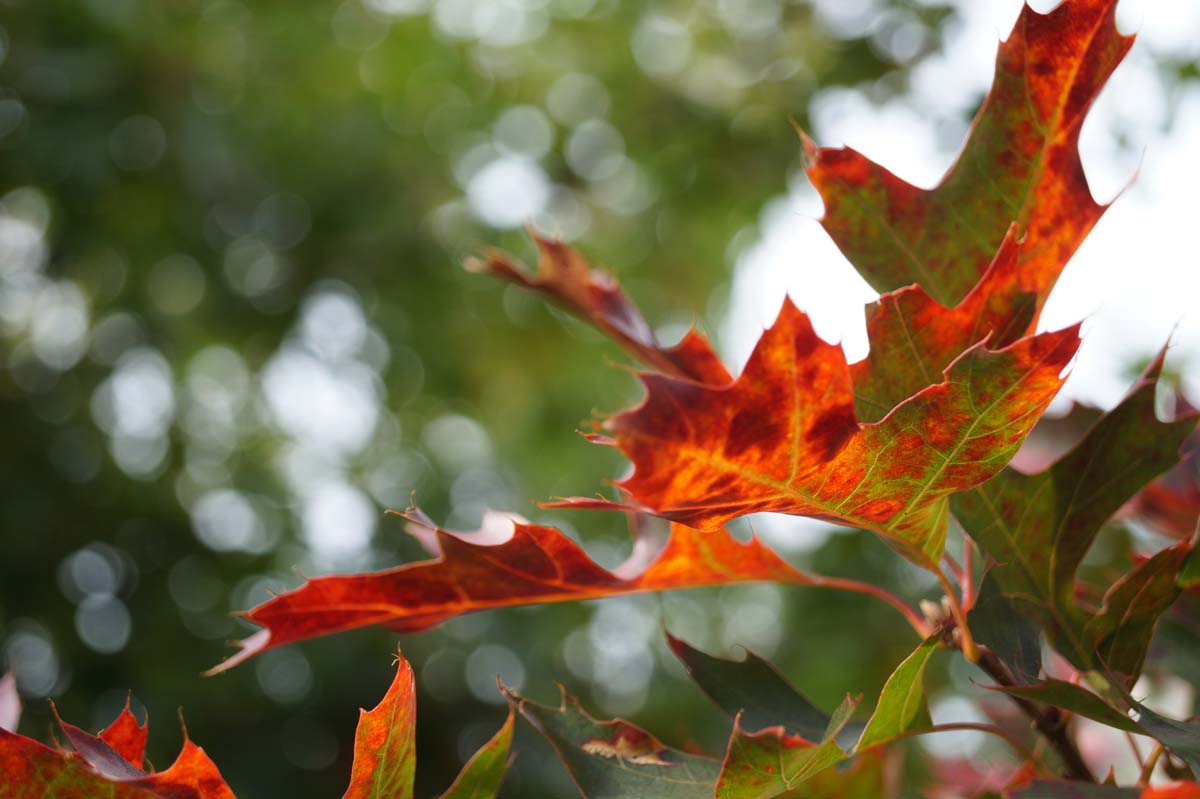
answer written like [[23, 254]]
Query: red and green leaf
[[1039, 527], [784, 437], [30, 770], [914, 337], [773, 763], [615, 758], [1020, 163], [863, 777], [385, 744], [385, 753], [765, 758]]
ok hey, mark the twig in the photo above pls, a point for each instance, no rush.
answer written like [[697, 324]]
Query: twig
[[858, 587], [968, 574], [966, 643]]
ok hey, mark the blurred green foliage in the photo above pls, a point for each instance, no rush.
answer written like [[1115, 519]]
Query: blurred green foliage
[[233, 330]]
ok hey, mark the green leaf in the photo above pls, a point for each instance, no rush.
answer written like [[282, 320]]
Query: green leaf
[[1189, 575], [995, 623], [1125, 623], [1039, 527], [1074, 698], [902, 705], [616, 759], [1182, 738], [771, 762], [385, 750], [480, 778], [753, 688]]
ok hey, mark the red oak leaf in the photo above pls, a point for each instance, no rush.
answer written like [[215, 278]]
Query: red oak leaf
[[30, 770], [126, 736], [534, 564], [385, 754], [785, 437], [385, 745], [914, 337], [1020, 162]]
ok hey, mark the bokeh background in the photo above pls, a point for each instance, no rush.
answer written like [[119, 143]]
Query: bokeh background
[[234, 330]]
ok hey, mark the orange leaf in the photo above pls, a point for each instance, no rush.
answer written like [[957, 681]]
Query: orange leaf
[[30, 770], [385, 745], [914, 337], [785, 437], [533, 565], [126, 736]]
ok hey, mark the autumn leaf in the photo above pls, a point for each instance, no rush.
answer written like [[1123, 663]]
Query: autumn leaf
[[914, 337], [533, 565], [1020, 163], [10, 703], [765, 758], [565, 277], [384, 744], [30, 770], [784, 437], [864, 777], [385, 755], [126, 736], [1039, 527], [773, 763]]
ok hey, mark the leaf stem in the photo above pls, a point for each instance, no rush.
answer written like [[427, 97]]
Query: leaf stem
[[1016, 743], [1151, 762], [967, 643], [968, 574], [858, 587]]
